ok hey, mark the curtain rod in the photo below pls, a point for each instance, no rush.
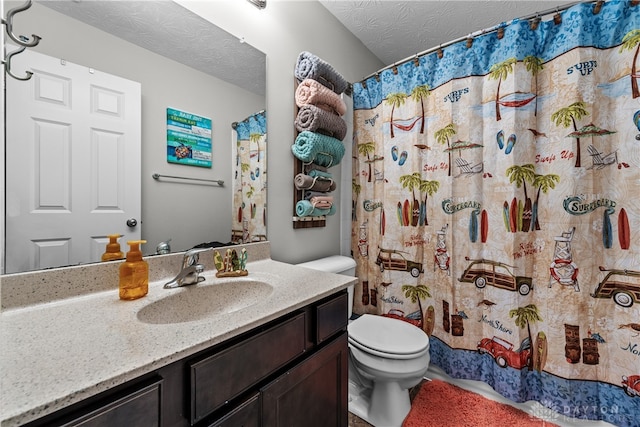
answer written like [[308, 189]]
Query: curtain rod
[[234, 125], [481, 32]]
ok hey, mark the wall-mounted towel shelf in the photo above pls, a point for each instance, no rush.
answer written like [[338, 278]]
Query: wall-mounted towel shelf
[[308, 219], [157, 176], [298, 167]]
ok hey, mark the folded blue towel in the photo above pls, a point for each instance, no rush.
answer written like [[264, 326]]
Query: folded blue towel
[[305, 208], [309, 66], [320, 149]]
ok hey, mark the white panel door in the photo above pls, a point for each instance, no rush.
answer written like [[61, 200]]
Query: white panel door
[[73, 155]]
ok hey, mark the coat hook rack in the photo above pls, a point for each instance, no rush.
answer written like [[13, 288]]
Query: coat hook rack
[[7, 65], [23, 41]]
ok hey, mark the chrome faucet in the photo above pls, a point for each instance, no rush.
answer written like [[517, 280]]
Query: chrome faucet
[[190, 270]]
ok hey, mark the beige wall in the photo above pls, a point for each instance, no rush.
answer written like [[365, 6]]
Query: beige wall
[[282, 31]]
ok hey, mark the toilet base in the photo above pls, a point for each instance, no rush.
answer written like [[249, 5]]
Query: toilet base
[[359, 401], [387, 405]]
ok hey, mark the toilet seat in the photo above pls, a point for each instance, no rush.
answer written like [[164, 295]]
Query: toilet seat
[[387, 337], [386, 355]]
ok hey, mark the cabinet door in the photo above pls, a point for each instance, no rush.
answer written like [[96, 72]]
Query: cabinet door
[[245, 415], [312, 394]]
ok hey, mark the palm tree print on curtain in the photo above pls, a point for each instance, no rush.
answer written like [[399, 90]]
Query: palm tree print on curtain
[[547, 195], [631, 41], [534, 65], [366, 149], [443, 136], [415, 294], [568, 116], [500, 72], [524, 316], [418, 94]]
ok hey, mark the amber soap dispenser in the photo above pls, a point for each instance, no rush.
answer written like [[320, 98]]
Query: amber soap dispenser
[[134, 273], [113, 249]]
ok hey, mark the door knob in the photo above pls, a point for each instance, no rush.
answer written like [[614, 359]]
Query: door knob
[[132, 222]]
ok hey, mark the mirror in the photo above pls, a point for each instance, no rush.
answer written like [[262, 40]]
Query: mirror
[[181, 61]]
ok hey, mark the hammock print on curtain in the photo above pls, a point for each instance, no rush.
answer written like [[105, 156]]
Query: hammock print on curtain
[[496, 207], [250, 180]]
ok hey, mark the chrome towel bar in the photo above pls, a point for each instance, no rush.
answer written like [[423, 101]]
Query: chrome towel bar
[[157, 176]]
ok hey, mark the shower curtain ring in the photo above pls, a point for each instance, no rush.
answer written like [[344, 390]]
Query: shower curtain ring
[[597, 7], [557, 18], [535, 22]]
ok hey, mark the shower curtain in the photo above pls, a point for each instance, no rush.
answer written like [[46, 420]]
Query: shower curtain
[[250, 180], [496, 205]]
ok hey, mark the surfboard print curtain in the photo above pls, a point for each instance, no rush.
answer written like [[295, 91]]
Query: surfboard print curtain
[[496, 206], [250, 180]]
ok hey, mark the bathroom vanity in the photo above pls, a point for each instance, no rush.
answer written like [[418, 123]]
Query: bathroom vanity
[[93, 360]]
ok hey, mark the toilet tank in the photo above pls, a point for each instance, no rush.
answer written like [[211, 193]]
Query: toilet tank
[[338, 264]]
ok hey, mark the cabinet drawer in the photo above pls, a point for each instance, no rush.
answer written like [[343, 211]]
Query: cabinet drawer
[[331, 317], [224, 375], [140, 408]]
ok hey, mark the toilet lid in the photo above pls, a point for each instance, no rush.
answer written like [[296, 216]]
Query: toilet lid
[[387, 335]]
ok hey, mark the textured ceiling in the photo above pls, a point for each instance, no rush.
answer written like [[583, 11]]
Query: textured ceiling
[[396, 30], [168, 29], [391, 30]]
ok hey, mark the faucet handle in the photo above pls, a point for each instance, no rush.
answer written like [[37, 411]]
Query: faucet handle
[[195, 277]]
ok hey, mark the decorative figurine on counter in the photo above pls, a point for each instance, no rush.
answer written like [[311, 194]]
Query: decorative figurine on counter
[[231, 265], [243, 259]]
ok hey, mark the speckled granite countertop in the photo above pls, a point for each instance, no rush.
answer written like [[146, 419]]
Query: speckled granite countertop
[[57, 353]]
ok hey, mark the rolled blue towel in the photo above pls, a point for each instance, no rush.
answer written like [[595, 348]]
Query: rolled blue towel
[[305, 208], [314, 173], [320, 149], [309, 66]]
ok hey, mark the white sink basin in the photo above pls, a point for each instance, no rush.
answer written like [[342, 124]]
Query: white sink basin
[[197, 302]]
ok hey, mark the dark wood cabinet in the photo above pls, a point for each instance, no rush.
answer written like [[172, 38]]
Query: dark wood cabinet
[[312, 394], [135, 405], [245, 415], [291, 371], [330, 317], [228, 373]]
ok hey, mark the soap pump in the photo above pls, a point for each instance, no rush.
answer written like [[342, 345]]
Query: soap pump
[[134, 273], [113, 249]]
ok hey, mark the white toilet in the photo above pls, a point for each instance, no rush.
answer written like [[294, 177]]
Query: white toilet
[[338, 264], [387, 357]]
